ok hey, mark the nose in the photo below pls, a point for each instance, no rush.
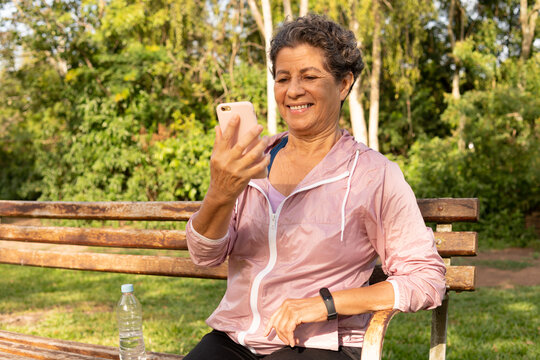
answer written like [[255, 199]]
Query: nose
[[295, 88]]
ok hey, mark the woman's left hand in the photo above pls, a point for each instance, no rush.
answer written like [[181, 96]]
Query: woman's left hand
[[292, 313]]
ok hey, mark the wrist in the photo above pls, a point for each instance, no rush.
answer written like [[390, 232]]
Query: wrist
[[218, 199], [328, 300]]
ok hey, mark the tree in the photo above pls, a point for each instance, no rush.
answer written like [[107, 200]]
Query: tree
[[265, 26], [528, 25], [304, 7], [375, 78], [356, 108]]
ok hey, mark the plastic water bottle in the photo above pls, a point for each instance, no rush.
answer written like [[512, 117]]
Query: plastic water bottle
[[129, 315]]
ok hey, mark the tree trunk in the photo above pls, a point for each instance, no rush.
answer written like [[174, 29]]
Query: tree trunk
[[270, 99], [375, 79], [287, 10], [356, 109], [304, 7], [528, 25], [264, 24], [358, 120], [451, 36], [456, 95]]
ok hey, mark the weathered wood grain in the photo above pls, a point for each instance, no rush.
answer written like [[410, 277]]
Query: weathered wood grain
[[38, 343], [456, 243], [116, 263], [436, 210], [374, 337], [111, 210], [448, 210], [125, 238]]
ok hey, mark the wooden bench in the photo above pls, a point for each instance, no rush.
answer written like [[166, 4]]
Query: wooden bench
[[443, 212]]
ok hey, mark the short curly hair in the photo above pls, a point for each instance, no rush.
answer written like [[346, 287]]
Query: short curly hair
[[337, 43]]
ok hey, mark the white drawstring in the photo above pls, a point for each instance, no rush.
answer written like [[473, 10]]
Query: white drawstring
[[347, 194]]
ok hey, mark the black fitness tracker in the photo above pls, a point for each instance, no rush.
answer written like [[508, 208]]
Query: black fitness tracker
[[329, 302]]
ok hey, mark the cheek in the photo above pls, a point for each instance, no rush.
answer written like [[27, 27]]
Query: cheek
[[279, 92]]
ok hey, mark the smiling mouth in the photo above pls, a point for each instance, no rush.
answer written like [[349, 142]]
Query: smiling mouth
[[300, 107]]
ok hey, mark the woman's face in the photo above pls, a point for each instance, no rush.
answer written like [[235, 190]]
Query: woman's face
[[308, 96]]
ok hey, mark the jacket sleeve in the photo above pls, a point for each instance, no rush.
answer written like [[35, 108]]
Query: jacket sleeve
[[405, 245], [209, 252]]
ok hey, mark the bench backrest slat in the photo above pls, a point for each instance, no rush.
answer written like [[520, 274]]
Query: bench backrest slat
[[116, 263], [109, 237], [448, 243], [458, 278], [117, 210], [445, 210], [449, 210], [458, 243]]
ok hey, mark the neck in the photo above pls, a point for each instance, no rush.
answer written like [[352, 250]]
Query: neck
[[313, 146]]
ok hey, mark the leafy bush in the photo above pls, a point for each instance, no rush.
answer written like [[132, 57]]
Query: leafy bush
[[500, 164]]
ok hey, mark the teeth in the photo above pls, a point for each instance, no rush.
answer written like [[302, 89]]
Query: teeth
[[299, 107]]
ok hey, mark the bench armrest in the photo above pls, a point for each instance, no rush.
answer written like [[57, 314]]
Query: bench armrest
[[373, 339]]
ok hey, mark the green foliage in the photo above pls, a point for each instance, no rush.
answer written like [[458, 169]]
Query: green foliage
[[115, 100], [500, 165]]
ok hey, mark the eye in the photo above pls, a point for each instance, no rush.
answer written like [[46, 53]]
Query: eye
[[310, 77], [282, 80]]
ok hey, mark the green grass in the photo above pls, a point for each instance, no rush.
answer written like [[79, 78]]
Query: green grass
[[76, 305], [511, 265]]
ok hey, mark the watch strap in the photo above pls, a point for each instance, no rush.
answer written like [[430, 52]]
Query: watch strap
[[329, 303]]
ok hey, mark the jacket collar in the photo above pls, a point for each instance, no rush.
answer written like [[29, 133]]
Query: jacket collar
[[336, 162]]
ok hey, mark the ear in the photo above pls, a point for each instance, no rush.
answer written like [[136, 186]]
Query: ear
[[346, 84]]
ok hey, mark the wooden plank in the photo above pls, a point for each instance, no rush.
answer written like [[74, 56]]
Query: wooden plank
[[38, 353], [111, 210], [436, 210], [448, 243], [127, 238], [374, 336], [119, 263], [456, 243], [105, 352], [439, 321], [461, 278], [96, 351], [458, 278], [448, 210], [7, 356]]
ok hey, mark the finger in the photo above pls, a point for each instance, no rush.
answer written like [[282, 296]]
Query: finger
[[285, 327], [292, 340], [258, 149], [229, 133], [260, 169], [245, 141], [268, 329]]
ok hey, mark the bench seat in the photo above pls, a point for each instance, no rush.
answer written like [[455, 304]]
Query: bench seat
[[19, 347]]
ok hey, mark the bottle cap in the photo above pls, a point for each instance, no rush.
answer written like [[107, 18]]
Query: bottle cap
[[127, 288]]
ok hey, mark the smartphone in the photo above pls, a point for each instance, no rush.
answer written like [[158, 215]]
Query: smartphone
[[227, 111]]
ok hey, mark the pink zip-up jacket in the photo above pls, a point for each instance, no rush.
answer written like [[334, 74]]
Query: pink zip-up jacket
[[353, 207]]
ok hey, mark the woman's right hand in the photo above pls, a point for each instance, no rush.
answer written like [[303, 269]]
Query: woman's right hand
[[232, 166]]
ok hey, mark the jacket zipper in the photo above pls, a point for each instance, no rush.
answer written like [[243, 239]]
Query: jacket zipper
[[272, 245]]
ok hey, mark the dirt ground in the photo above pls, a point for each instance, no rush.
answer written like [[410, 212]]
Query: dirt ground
[[491, 272]]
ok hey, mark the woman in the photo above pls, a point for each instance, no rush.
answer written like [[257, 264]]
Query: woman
[[302, 224]]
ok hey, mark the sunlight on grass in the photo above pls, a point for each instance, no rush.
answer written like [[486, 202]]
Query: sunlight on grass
[[522, 306]]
